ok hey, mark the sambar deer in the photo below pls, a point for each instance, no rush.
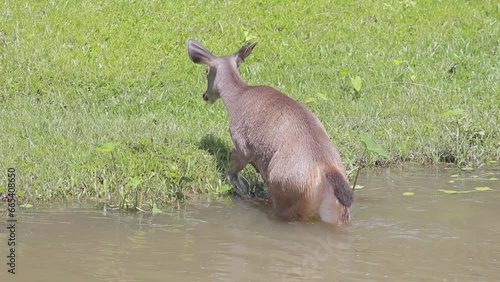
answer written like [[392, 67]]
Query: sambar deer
[[281, 138]]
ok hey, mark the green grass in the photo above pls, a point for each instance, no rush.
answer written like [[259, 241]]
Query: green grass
[[79, 74]]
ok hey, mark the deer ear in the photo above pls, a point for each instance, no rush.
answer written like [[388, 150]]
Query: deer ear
[[244, 52], [198, 53]]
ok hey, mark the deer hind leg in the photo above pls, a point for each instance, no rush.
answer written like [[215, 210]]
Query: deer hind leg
[[238, 163], [289, 205], [290, 213]]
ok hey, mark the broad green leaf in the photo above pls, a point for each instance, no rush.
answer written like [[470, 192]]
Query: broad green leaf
[[455, 112], [108, 147], [225, 188], [28, 206], [372, 146], [345, 72], [2, 189], [483, 189], [408, 194], [134, 182], [356, 83], [155, 209], [20, 194], [493, 179]]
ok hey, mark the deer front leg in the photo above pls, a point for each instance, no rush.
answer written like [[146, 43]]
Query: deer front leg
[[237, 164]]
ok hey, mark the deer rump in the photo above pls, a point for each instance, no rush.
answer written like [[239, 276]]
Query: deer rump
[[282, 139]]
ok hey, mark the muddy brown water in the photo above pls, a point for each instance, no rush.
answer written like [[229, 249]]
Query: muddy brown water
[[430, 236]]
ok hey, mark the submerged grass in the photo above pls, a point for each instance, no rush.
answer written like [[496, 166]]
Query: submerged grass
[[80, 74]]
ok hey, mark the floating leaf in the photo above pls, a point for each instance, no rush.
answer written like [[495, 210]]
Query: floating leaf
[[408, 194], [28, 206], [451, 181], [108, 147], [455, 112], [356, 83], [455, 175], [467, 168], [448, 191], [493, 179], [483, 189], [372, 146], [358, 187]]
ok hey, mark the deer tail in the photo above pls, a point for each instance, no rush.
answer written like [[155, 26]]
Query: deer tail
[[342, 192]]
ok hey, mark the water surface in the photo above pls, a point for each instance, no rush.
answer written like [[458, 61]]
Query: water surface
[[430, 236]]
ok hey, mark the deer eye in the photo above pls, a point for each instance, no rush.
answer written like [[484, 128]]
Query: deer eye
[[207, 70]]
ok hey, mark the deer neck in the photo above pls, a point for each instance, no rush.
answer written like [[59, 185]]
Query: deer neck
[[230, 87]]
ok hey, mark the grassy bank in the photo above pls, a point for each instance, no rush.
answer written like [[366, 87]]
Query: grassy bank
[[98, 99]]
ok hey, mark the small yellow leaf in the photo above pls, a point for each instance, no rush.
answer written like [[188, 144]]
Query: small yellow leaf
[[483, 188], [467, 168]]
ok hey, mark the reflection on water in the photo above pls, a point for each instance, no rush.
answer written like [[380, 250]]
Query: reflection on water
[[430, 236]]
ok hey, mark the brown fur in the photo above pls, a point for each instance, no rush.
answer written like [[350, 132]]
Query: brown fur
[[281, 138]]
